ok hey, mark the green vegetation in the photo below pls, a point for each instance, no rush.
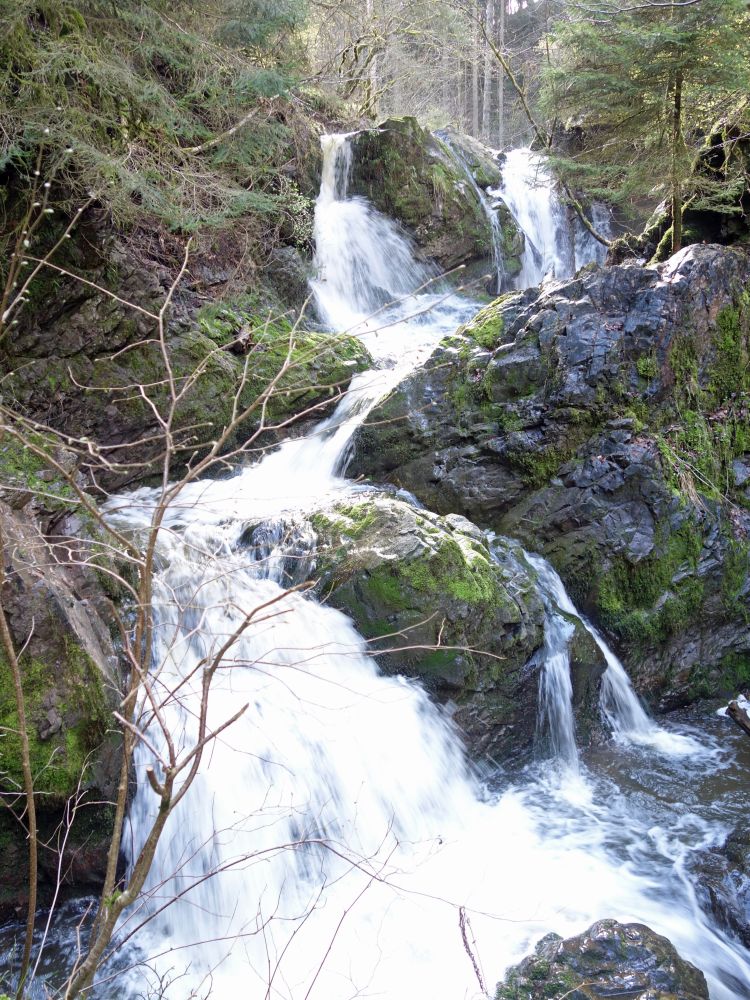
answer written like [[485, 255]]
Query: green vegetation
[[647, 601], [24, 472], [647, 366], [727, 679], [133, 103], [643, 90], [712, 403], [71, 691]]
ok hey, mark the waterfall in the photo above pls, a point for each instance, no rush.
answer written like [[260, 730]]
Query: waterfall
[[490, 211], [335, 835], [553, 247], [555, 687], [619, 704]]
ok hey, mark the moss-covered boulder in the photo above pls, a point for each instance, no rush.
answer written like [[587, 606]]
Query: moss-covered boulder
[[609, 959], [408, 174], [717, 207], [481, 161], [439, 602], [606, 424], [57, 615], [90, 366]]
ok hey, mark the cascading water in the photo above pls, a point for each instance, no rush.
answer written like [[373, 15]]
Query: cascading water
[[555, 687], [335, 831], [553, 246], [496, 230], [619, 704]]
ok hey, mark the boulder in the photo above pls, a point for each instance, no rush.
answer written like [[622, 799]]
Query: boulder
[[608, 960], [483, 162], [603, 421], [409, 175], [441, 602]]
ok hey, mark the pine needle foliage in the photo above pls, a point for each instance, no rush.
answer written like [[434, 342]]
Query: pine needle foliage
[[112, 97], [645, 83]]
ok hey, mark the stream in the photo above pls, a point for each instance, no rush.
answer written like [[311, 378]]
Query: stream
[[336, 833]]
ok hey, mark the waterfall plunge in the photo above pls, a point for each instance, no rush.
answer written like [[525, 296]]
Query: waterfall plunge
[[335, 830], [555, 246]]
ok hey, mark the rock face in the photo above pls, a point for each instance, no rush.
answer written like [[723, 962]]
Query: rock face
[[723, 882], [608, 960], [89, 366], [603, 422], [57, 613], [462, 615], [408, 174]]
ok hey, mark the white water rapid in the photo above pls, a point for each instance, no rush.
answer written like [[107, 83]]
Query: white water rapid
[[335, 835], [555, 247]]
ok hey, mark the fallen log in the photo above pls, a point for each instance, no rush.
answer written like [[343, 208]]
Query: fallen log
[[739, 712]]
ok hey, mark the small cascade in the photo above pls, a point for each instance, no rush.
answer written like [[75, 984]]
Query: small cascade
[[618, 702], [366, 268], [493, 218], [554, 246], [555, 687]]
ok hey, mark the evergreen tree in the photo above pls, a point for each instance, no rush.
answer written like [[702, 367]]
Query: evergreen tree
[[645, 82]]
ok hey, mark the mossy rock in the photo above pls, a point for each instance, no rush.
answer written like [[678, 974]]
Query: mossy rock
[[438, 603], [228, 351], [59, 621], [408, 175], [608, 959], [604, 422], [481, 161]]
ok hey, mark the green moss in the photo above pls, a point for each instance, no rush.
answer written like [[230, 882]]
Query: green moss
[[510, 421], [647, 366], [487, 327], [712, 423], [730, 677], [58, 762], [729, 372], [683, 360], [641, 602], [22, 470], [734, 580]]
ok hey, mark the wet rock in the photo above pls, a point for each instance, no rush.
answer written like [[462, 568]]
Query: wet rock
[[483, 162], [441, 603], [288, 274], [723, 882], [58, 616], [408, 174], [89, 366], [601, 421], [608, 960]]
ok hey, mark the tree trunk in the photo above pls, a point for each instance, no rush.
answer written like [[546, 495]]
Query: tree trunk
[[371, 87], [500, 76], [676, 149], [739, 714], [475, 83], [489, 27]]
